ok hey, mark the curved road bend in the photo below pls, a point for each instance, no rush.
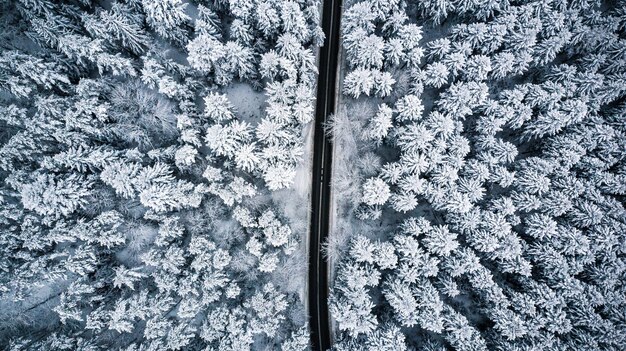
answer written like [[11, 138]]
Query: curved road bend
[[320, 193]]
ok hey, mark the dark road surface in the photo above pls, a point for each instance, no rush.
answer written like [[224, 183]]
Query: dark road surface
[[320, 192]]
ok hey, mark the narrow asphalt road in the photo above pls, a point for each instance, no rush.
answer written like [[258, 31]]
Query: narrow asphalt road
[[320, 193]]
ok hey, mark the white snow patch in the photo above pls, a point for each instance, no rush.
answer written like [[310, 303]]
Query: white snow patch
[[249, 104], [302, 180]]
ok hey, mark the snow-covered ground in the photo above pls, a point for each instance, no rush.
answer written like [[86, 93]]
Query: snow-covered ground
[[247, 102]]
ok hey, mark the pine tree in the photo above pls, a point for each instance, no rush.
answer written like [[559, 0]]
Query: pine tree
[[380, 124], [409, 108], [375, 192], [359, 81], [439, 241], [436, 75], [55, 196], [167, 18]]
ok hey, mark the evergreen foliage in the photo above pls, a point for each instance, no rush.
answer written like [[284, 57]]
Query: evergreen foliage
[[499, 197], [135, 200]]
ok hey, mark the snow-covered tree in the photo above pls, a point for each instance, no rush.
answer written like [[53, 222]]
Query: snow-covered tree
[[375, 192]]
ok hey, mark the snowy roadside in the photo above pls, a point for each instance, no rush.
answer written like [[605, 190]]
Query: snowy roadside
[[302, 188]]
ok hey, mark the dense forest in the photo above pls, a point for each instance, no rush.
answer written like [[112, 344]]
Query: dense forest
[[148, 153], [486, 141]]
